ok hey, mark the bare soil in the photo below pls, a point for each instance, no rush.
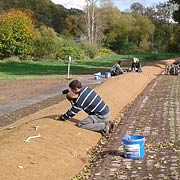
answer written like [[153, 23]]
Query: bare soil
[[13, 89], [61, 150], [15, 93]]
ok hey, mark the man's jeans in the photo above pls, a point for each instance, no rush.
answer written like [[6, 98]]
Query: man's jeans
[[94, 122]]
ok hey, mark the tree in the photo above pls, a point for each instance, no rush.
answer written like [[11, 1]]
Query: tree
[[165, 30], [162, 11], [95, 22], [16, 33], [142, 32], [90, 20], [75, 25], [119, 25], [137, 8], [106, 3], [127, 30], [45, 12], [46, 43], [173, 43], [176, 13]]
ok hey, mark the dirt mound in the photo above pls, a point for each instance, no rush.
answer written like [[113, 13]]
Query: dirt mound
[[61, 150]]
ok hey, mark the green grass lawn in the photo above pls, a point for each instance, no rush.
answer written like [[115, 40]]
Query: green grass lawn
[[31, 69]]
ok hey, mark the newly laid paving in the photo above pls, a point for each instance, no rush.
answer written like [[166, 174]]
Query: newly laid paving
[[156, 115]]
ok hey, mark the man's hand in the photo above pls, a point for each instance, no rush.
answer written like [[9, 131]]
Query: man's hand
[[60, 118]]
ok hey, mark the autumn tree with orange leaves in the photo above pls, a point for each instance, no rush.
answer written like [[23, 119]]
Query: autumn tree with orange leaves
[[16, 33]]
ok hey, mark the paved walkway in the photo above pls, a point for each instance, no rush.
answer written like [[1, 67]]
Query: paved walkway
[[156, 115]]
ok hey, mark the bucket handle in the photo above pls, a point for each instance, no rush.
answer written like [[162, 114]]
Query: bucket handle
[[129, 137]]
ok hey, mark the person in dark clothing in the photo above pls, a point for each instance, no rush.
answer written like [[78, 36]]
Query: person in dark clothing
[[116, 69], [89, 101], [136, 65]]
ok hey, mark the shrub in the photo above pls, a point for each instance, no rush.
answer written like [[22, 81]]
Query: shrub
[[16, 33], [65, 52], [152, 57], [12, 59], [89, 50], [47, 43], [104, 52]]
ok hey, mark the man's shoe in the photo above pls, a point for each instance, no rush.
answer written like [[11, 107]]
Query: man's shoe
[[108, 128], [111, 127]]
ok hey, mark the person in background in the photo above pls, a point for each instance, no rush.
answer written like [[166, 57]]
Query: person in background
[[116, 69], [89, 101], [136, 65]]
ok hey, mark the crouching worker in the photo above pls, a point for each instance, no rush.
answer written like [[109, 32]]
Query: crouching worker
[[136, 65], [88, 100], [116, 69]]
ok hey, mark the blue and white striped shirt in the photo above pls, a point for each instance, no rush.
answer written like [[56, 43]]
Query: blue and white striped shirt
[[90, 102]]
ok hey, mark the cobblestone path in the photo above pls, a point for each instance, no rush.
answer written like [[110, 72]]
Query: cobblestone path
[[156, 115]]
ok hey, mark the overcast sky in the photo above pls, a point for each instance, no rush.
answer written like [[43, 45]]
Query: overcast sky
[[121, 4]]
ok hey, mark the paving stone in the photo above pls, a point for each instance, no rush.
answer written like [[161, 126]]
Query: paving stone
[[122, 177], [156, 115]]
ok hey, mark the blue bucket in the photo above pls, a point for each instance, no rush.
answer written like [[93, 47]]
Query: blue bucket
[[107, 75], [133, 146]]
